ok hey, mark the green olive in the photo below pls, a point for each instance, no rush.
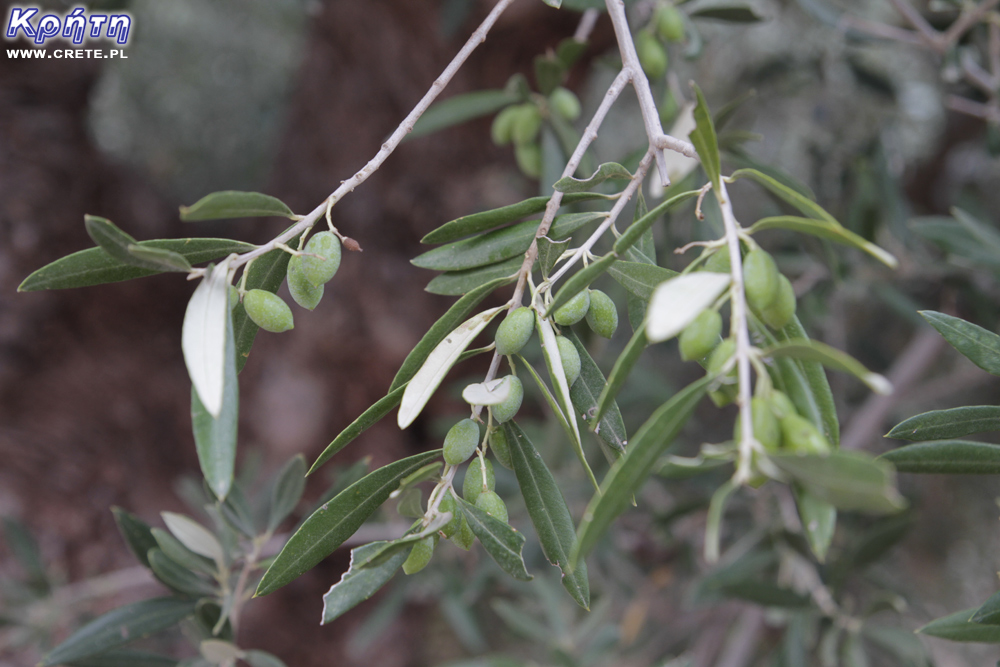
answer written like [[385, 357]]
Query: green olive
[[501, 448], [669, 23], [526, 124], [781, 405], [461, 441], [766, 428], [721, 355], [801, 436], [514, 332], [322, 260], [234, 297], [719, 261], [573, 310], [472, 486], [504, 411], [529, 159], [602, 316], [303, 292], [449, 504], [268, 311], [760, 279], [492, 504], [565, 103], [782, 309], [503, 125], [420, 555], [701, 336], [464, 537], [652, 55], [570, 357]]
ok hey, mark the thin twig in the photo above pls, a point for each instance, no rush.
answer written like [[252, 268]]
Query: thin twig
[[969, 107], [586, 25], [880, 30], [966, 21], [932, 37]]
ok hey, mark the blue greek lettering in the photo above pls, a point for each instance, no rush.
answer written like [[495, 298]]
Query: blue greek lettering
[[75, 25], [20, 19], [48, 26], [119, 27], [97, 20]]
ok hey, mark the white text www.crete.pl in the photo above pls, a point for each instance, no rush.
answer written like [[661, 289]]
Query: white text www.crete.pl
[[66, 53]]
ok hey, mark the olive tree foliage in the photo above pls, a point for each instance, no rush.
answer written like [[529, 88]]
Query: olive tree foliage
[[730, 308]]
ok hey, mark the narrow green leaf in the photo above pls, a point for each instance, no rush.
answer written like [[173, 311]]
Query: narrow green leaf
[[978, 345], [180, 554], [959, 628], [947, 457], [639, 227], [728, 13], [640, 279], [461, 108], [610, 428], [336, 520], [845, 479], [120, 626], [500, 244], [819, 520], [287, 491], [360, 581], [455, 283], [824, 229], [549, 398], [810, 392], [206, 337], [548, 511], [984, 234], [440, 360], [158, 258], [487, 220], [620, 372], [580, 281], [704, 140], [136, 532], [235, 204], [549, 252], [726, 113], [368, 418], [766, 594], [989, 612], [117, 243], [607, 171], [831, 357], [178, 578], [193, 535], [501, 542], [785, 193], [947, 424], [678, 301], [215, 437], [629, 472], [95, 267]]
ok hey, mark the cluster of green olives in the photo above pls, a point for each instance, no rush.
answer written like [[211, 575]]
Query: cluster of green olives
[[667, 25], [778, 427], [307, 274], [521, 124]]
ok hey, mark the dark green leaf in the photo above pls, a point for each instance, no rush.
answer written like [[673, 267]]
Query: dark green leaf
[[640, 279], [744, 161], [158, 259], [958, 628], [176, 577], [629, 472], [549, 252], [607, 171], [620, 372], [360, 581], [120, 626], [237, 510], [726, 113], [337, 520], [585, 392], [125, 658], [368, 418], [704, 140], [765, 594], [848, 480], [116, 243], [947, 424], [215, 439], [287, 491], [732, 13], [554, 404], [639, 227], [824, 229], [811, 350], [501, 542], [138, 535], [461, 108], [811, 392], [454, 283], [500, 244], [948, 457], [786, 194], [989, 613], [486, 220], [580, 281], [95, 267], [235, 204], [570, 50], [819, 520], [548, 511], [180, 554], [980, 346]]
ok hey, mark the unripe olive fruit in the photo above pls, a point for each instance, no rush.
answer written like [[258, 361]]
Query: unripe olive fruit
[[719, 262], [463, 537], [602, 316], [420, 555], [321, 268], [570, 357], [781, 405], [801, 436], [234, 297], [766, 428], [701, 336], [268, 311], [782, 309], [760, 279], [652, 55], [501, 448], [503, 125], [461, 441], [515, 330], [527, 123], [529, 159], [492, 504], [565, 103], [573, 310], [669, 23], [303, 292], [504, 411], [472, 485], [448, 504], [721, 355]]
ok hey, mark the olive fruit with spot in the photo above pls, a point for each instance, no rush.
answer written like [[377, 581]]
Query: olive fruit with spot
[[570, 358], [303, 292], [652, 55], [801, 436], [602, 316], [701, 336], [504, 411], [473, 484], [573, 310], [782, 309], [461, 441], [420, 555], [515, 330], [322, 258], [564, 103], [760, 279], [268, 311], [492, 504]]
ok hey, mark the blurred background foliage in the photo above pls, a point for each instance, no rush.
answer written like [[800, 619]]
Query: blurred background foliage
[[291, 97]]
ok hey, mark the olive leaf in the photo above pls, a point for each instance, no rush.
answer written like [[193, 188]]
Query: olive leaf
[[975, 343], [136, 532], [361, 581], [947, 424], [607, 171], [845, 479], [204, 334], [580, 281], [502, 543], [368, 418], [459, 109], [831, 357], [959, 627], [235, 204], [824, 229], [678, 301], [455, 283], [638, 278], [585, 393], [193, 535], [620, 371], [704, 140], [952, 457]]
